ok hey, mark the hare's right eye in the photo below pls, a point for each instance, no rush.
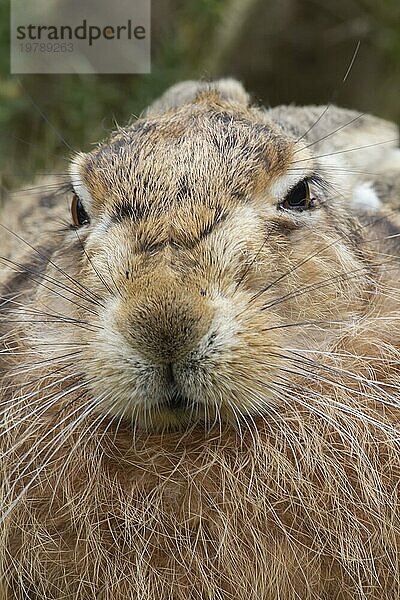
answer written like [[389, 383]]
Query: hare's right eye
[[79, 214], [299, 197]]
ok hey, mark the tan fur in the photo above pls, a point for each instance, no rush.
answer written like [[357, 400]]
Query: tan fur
[[278, 479]]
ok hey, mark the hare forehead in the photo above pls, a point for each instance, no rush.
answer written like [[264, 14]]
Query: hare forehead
[[197, 158]]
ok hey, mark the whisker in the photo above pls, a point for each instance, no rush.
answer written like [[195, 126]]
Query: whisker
[[345, 435], [354, 376], [38, 277], [38, 411], [355, 149], [339, 169], [359, 414], [48, 457], [328, 135], [330, 104], [309, 257], [37, 311], [26, 368], [21, 386], [50, 261], [113, 280], [247, 269], [101, 279], [347, 355], [46, 119], [75, 322], [305, 324], [346, 275], [85, 438]]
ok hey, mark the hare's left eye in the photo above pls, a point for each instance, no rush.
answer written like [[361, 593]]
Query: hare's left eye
[[79, 214], [298, 198]]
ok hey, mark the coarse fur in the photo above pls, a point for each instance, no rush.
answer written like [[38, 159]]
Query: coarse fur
[[200, 385]]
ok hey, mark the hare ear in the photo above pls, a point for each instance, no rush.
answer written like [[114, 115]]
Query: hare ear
[[186, 92], [362, 148], [331, 129]]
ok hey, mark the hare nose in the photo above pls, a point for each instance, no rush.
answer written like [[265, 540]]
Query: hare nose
[[166, 327]]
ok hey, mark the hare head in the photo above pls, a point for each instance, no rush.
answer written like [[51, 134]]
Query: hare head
[[215, 240]]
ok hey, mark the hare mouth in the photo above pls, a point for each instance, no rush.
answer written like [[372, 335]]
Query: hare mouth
[[173, 398], [176, 401]]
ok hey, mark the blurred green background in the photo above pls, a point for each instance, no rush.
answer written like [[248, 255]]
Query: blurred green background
[[283, 50]]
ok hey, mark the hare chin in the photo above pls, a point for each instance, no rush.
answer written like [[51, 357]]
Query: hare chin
[[178, 411], [162, 417]]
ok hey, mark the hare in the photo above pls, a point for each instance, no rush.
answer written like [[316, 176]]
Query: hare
[[200, 364]]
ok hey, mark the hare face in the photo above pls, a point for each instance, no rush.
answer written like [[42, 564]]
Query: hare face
[[215, 241]]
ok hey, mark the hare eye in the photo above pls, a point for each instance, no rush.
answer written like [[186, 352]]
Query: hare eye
[[298, 198], [79, 215]]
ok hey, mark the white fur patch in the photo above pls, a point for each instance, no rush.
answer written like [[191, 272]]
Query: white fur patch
[[365, 198], [76, 180], [286, 182], [392, 161]]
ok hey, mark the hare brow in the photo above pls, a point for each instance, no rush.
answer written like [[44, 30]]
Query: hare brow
[[138, 211], [129, 210]]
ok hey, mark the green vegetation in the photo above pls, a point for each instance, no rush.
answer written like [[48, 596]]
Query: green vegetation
[[38, 111], [284, 51]]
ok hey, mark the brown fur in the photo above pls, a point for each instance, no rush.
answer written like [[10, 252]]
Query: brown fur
[[277, 477]]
